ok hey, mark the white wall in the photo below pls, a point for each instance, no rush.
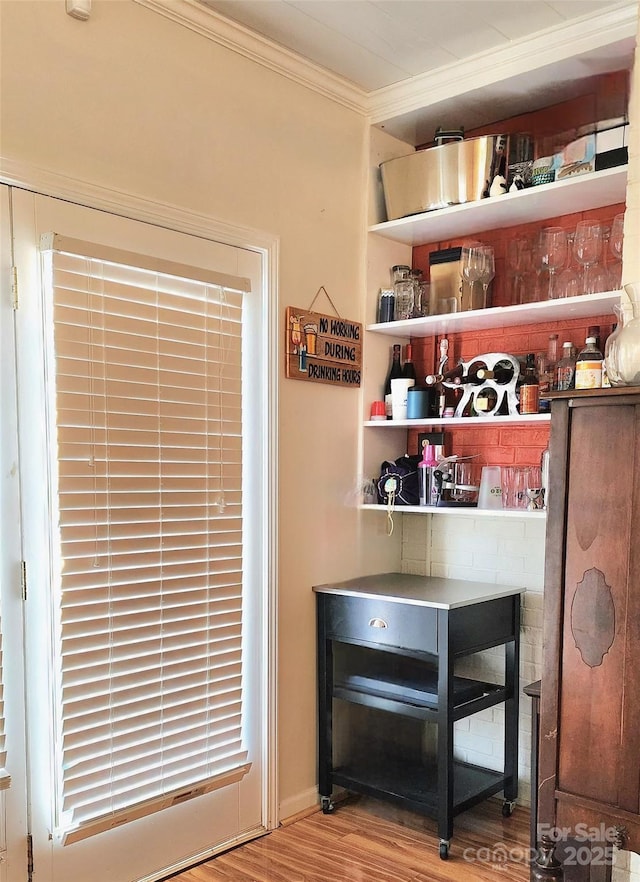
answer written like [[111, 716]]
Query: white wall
[[502, 551], [136, 103]]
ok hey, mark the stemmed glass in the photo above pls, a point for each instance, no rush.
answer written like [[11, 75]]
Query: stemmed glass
[[587, 249], [553, 255], [615, 247], [488, 271], [471, 266], [569, 284]]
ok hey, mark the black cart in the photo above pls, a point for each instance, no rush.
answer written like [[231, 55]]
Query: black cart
[[389, 643]]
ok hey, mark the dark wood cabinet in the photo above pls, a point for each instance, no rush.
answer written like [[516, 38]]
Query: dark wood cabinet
[[589, 764]]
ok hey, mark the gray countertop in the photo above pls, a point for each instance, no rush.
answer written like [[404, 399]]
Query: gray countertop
[[420, 590]]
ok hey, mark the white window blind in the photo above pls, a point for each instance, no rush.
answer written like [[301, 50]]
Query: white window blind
[[145, 365]]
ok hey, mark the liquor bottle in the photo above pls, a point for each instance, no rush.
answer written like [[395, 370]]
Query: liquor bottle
[[566, 371], [408, 368], [395, 372], [530, 388], [547, 366], [589, 366]]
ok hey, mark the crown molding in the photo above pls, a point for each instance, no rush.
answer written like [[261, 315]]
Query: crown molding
[[547, 47], [208, 23], [25, 176]]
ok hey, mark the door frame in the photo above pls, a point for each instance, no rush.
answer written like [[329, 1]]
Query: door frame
[[23, 176]]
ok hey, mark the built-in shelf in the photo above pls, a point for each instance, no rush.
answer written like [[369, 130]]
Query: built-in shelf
[[584, 306], [516, 419], [462, 511], [572, 195]]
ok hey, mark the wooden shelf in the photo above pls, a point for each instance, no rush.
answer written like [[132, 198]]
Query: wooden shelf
[[584, 306], [581, 193], [468, 512], [517, 419]]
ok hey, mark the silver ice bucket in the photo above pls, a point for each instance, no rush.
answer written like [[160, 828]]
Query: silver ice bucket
[[460, 171]]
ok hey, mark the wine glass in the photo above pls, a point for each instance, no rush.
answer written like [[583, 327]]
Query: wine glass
[[569, 284], [587, 248], [471, 263], [488, 271], [615, 248], [553, 255]]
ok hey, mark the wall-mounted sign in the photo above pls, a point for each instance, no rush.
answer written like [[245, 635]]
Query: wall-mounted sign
[[322, 348]]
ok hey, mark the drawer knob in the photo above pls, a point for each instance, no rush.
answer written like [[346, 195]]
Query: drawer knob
[[378, 623]]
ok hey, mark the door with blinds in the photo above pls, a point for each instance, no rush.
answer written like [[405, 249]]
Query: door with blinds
[[13, 796], [145, 500]]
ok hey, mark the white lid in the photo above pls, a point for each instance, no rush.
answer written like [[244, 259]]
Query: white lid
[[590, 340]]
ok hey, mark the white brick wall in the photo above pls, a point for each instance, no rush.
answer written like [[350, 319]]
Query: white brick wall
[[504, 552]]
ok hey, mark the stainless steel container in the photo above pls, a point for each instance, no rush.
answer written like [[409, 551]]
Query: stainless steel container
[[461, 171]]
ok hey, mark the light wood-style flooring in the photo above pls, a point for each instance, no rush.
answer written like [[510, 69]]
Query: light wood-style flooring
[[367, 841]]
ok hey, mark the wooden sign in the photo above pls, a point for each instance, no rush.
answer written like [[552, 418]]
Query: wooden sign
[[322, 348]]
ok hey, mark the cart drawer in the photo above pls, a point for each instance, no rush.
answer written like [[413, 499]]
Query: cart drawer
[[381, 622]]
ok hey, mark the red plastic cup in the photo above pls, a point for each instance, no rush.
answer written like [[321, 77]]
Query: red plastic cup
[[378, 410]]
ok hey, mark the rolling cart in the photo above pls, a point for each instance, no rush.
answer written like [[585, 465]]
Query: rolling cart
[[389, 642]]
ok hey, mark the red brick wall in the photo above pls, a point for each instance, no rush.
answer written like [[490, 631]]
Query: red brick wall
[[550, 127]]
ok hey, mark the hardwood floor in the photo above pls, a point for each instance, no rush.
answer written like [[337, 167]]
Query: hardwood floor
[[368, 841]]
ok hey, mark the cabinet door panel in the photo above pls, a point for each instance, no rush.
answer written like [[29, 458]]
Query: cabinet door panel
[[630, 770], [596, 570]]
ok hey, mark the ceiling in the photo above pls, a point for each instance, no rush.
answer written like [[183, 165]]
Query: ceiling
[[378, 43]]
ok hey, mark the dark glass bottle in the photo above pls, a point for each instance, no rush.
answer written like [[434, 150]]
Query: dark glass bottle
[[408, 368], [456, 373], [530, 388], [395, 372], [502, 373]]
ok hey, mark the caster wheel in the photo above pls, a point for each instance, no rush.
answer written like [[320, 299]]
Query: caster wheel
[[327, 805], [507, 808], [444, 851]]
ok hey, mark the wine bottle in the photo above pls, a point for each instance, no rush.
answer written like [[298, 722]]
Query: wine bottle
[[408, 368], [501, 372], [530, 388], [395, 372], [456, 373]]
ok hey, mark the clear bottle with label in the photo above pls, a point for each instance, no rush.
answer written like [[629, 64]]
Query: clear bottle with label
[[566, 371], [589, 366]]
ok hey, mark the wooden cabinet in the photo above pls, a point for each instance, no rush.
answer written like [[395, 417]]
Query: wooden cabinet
[[589, 771]]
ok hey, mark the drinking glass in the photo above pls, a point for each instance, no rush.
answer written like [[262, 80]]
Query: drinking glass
[[587, 248], [533, 488], [471, 267], [552, 253], [615, 248], [514, 481], [569, 283], [488, 271], [519, 255]]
